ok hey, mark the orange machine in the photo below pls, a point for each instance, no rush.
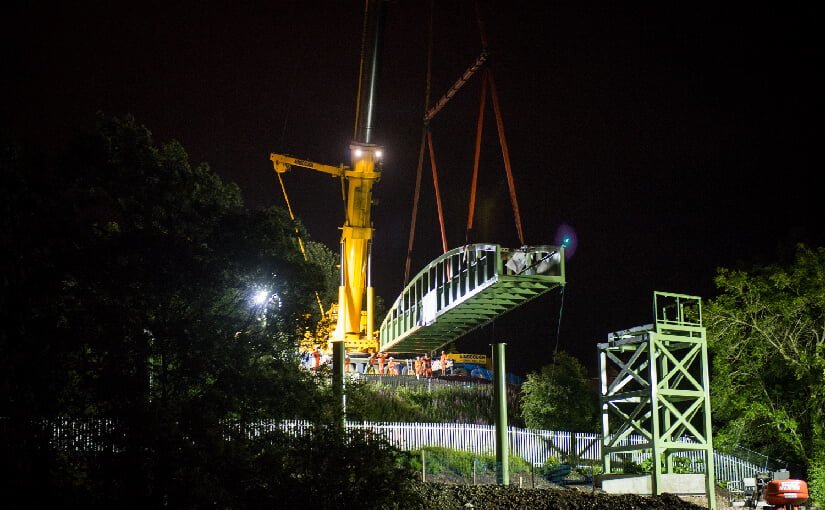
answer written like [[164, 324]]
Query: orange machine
[[772, 490], [786, 494]]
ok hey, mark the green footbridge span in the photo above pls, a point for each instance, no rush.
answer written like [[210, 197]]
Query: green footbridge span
[[466, 288]]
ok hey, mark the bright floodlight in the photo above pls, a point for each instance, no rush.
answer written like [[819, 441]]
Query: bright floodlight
[[260, 297]]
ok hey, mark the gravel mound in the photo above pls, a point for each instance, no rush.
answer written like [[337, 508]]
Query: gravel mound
[[442, 496]]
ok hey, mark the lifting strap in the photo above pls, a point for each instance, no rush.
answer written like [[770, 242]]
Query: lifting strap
[[477, 155], [415, 205], [437, 192], [487, 79], [479, 129], [426, 138], [505, 154], [424, 130]]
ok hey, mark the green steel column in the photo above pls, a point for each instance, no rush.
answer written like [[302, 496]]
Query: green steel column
[[605, 409], [655, 426], [339, 354], [500, 388], [710, 468]]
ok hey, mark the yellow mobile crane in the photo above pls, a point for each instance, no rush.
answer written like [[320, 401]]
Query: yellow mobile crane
[[354, 327]]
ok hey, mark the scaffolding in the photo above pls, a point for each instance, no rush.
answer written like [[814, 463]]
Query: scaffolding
[[655, 390]]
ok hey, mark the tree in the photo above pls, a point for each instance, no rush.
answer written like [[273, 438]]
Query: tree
[[126, 297], [559, 397], [766, 334], [328, 265]]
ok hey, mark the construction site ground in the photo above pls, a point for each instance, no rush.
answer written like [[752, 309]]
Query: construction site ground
[[547, 496]]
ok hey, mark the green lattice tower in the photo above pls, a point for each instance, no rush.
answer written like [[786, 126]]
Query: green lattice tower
[[655, 389]]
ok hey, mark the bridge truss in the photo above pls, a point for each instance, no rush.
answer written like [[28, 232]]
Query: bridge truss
[[466, 288]]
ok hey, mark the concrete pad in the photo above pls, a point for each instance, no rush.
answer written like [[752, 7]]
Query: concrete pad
[[682, 484]]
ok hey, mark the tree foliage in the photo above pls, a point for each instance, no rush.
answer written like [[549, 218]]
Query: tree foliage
[[131, 283], [559, 397], [127, 285], [328, 264], [767, 341]]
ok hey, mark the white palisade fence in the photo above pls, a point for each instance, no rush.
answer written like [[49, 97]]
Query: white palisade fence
[[534, 446]]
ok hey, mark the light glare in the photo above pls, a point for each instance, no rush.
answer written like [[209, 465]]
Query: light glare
[[260, 297]]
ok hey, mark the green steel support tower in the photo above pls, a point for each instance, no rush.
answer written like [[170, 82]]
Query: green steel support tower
[[655, 383]]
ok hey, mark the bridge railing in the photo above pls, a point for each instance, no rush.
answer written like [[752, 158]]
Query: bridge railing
[[440, 284], [460, 274]]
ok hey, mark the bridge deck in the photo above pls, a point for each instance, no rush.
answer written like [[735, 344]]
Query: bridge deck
[[467, 288]]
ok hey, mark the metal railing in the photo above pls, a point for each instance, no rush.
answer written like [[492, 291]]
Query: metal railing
[[534, 446], [466, 288]]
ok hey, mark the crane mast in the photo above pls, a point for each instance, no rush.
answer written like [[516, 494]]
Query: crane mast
[[356, 247], [355, 321]]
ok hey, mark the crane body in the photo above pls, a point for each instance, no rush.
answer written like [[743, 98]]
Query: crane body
[[355, 306], [356, 248]]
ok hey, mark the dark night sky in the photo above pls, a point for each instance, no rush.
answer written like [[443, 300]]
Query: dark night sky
[[673, 138]]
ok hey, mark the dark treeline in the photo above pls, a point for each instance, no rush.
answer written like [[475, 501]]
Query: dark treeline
[[127, 284]]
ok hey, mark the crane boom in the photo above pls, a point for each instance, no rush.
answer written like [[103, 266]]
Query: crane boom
[[355, 325], [283, 163]]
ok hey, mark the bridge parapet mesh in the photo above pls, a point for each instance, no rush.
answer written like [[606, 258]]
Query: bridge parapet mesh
[[464, 289]]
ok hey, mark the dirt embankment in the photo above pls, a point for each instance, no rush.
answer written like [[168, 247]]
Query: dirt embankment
[[442, 496]]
